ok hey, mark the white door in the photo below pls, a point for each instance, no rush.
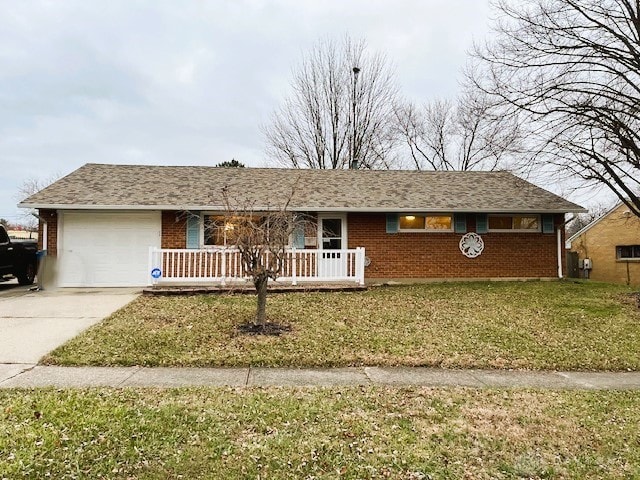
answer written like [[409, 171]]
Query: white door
[[333, 240], [106, 249]]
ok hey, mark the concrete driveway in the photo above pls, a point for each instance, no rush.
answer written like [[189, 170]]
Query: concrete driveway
[[34, 323]]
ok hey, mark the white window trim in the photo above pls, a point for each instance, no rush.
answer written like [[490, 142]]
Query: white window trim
[[513, 230], [343, 218], [427, 230]]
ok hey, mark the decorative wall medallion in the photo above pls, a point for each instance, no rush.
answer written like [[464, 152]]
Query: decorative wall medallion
[[471, 245]]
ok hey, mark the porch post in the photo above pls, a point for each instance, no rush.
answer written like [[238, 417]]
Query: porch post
[[360, 265], [224, 266], [293, 266]]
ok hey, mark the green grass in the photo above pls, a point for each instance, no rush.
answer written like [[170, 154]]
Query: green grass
[[318, 433], [527, 325]]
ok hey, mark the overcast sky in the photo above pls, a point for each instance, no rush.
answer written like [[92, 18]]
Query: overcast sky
[[190, 82]]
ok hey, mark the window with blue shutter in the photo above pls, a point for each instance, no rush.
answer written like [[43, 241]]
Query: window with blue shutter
[[482, 223], [547, 223], [459, 223], [392, 222], [193, 230]]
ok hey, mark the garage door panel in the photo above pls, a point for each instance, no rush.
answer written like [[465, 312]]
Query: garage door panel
[[107, 249]]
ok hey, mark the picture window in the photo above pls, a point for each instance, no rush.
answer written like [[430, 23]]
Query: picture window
[[425, 223]]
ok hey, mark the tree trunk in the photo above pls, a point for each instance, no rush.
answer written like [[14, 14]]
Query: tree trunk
[[261, 290]]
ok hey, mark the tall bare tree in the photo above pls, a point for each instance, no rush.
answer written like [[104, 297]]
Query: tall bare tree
[[572, 69], [336, 113], [470, 134]]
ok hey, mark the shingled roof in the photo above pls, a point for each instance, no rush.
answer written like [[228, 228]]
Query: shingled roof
[[98, 186]]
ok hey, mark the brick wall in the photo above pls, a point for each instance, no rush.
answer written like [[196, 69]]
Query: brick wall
[[437, 255], [599, 244], [51, 217], [174, 230]]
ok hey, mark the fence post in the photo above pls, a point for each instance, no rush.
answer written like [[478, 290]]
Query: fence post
[[224, 267], [360, 265], [293, 266]]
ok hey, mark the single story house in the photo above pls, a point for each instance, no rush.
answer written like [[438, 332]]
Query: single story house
[[133, 225], [611, 246]]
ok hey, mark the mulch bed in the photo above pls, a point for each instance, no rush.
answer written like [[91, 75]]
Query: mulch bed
[[269, 328]]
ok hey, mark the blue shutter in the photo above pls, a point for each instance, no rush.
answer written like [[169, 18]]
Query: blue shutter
[[193, 230], [392, 222], [459, 223], [482, 223], [298, 237], [547, 223]]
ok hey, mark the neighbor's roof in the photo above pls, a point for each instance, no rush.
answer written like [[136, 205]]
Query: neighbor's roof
[[97, 186], [592, 224]]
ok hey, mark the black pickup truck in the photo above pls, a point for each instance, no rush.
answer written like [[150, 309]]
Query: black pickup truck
[[17, 258]]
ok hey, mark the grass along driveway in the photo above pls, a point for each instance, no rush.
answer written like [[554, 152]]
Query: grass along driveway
[[528, 325], [318, 433]]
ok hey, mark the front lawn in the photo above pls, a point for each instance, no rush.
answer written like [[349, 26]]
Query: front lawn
[[529, 325], [318, 433]]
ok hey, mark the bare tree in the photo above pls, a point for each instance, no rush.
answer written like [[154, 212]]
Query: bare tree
[[581, 220], [262, 238], [341, 109], [471, 134], [572, 69], [29, 187]]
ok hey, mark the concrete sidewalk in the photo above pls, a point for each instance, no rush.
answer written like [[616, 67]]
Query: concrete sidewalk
[[30, 376]]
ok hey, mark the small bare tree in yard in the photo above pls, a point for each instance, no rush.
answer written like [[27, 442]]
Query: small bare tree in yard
[[261, 238]]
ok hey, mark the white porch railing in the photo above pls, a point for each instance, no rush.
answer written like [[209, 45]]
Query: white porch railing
[[223, 265]]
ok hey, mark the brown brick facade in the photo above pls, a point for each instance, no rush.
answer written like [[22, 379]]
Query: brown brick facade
[[407, 255], [51, 217], [174, 230], [598, 243], [437, 255]]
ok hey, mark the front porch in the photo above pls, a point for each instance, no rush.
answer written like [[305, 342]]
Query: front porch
[[222, 266]]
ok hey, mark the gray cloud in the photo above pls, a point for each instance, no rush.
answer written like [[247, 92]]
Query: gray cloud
[[189, 82]]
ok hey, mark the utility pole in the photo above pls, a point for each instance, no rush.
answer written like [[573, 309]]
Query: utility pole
[[354, 161]]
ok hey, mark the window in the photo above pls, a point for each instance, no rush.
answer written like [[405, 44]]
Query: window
[[522, 223], [227, 231], [421, 223], [216, 230], [628, 252]]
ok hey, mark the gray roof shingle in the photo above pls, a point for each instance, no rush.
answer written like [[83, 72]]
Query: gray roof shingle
[[99, 186]]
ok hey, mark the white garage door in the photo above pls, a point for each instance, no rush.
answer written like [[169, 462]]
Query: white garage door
[[106, 249]]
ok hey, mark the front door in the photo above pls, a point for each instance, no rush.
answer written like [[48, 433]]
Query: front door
[[333, 259]]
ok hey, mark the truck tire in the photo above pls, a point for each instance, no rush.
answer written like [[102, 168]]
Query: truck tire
[[28, 274]]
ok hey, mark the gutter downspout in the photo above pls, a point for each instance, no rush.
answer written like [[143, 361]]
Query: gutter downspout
[[45, 231], [45, 244], [559, 234], [559, 237]]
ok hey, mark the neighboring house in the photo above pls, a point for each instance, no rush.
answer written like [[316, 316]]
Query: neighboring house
[[22, 234], [101, 220], [612, 244]]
